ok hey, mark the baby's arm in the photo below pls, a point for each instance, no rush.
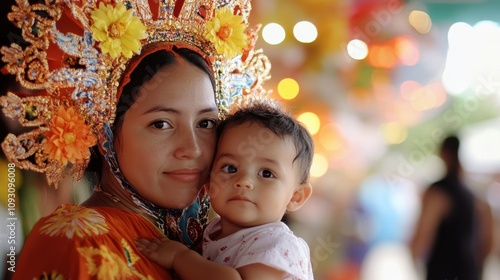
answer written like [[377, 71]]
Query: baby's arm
[[161, 251], [188, 264]]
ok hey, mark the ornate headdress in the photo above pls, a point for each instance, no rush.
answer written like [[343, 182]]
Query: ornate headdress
[[79, 53]]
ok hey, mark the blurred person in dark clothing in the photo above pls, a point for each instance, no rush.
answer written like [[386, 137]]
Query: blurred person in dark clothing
[[453, 235]]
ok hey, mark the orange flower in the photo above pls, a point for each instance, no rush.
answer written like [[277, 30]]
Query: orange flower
[[69, 138]]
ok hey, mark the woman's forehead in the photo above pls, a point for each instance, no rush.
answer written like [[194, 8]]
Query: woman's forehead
[[178, 90]]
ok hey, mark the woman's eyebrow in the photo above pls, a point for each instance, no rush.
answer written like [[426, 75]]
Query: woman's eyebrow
[[158, 108]]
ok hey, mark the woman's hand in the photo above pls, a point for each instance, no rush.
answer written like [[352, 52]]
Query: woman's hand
[[162, 251]]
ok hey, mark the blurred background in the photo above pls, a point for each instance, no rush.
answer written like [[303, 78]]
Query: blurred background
[[379, 84]]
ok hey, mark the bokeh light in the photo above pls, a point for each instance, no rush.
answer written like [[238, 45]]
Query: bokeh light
[[288, 88], [382, 56], [472, 56], [408, 87], [420, 20], [457, 76], [273, 33], [311, 121], [428, 97], [330, 138], [406, 50], [394, 132], [319, 165], [305, 32], [357, 49]]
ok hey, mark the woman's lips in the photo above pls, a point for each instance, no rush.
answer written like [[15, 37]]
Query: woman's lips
[[185, 175]]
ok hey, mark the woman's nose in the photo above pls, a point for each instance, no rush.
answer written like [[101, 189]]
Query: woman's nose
[[188, 145]]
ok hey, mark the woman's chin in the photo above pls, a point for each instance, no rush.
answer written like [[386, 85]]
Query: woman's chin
[[179, 203]]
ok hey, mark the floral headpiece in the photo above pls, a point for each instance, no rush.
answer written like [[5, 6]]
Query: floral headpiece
[[78, 54]]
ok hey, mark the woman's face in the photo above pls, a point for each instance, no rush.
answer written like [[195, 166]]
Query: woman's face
[[166, 143]]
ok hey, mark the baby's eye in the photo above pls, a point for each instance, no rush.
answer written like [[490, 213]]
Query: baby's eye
[[229, 168], [266, 173], [161, 125], [208, 123]]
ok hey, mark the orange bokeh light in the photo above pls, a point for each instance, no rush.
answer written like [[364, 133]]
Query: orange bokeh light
[[406, 50], [382, 56]]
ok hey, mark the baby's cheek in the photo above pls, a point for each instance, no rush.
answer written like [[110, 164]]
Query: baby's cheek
[[214, 189], [217, 184]]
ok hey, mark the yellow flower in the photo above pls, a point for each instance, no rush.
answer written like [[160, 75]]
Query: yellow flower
[[118, 30], [227, 32], [69, 138], [105, 264], [130, 255]]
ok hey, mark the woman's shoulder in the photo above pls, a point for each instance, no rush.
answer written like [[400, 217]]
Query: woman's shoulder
[[77, 238], [72, 221], [77, 222], [74, 218]]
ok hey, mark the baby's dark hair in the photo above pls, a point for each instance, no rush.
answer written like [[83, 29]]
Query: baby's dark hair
[[272, 117]]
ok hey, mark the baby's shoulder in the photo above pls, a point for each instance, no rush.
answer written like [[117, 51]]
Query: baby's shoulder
[[274, 235]]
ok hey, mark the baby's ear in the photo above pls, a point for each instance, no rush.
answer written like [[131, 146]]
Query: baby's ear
[[300, 196]]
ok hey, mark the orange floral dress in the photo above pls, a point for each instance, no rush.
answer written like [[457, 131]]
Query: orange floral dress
[[77, 242]]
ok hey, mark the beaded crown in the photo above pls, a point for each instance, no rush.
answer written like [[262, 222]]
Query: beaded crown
[[77, 54]]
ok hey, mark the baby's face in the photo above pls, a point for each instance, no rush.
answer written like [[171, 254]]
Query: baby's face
[[253, 176]]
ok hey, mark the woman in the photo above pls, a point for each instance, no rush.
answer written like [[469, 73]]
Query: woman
[[149, 95], [164, 144]]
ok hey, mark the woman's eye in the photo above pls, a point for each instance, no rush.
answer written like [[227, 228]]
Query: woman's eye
[[228, 168], [161, 125], [208, 124], [266, 173]]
